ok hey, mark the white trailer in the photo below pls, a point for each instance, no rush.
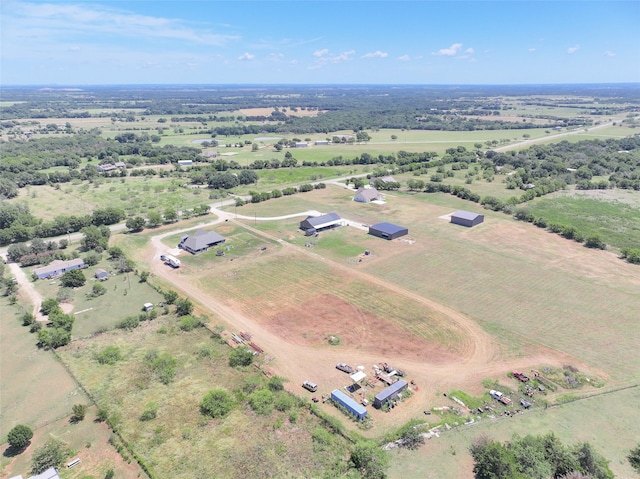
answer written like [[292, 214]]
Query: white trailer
[[172, 261]]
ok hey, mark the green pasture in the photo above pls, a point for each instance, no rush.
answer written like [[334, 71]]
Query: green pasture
[[135, 195], [124, 296], [180, 441], [609, 422], [36, 389], [615, 222]]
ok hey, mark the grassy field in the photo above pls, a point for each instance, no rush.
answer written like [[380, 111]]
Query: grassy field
[[609, 422], [548, 288], [181, 442], [36, 389], [617, 223], [124, 296]]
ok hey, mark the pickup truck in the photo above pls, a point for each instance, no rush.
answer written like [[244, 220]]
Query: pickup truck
[[345, 368]]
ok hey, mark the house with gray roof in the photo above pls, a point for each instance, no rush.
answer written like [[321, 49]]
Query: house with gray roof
[[200, 241], [58, 267], [367, 195]]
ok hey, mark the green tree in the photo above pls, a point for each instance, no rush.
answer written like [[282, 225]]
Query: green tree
[[144, 275], [150, 412], [216, 403], [135, 224], [492, 460], [241, 356], [154, 219], [49, 305], [74, 278], [170, 215], [170, 296], [634, 458], [79, 412], [184, 307], [92, 258], [592, 463], [19, 437], [52, 454], [163, 365], [95, 238], [369, 459], [98, 289]]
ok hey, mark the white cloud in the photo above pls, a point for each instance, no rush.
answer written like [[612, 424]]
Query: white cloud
[[469, 51], [376, 54], [532, 49], [404, 58], [51, 21], [321, 53], [324, 57], [572, 50], [343, 57], [452, 51], [609, 53], [275, 57], [246, 57]]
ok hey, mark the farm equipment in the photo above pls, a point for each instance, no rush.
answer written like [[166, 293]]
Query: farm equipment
[[525, 404]]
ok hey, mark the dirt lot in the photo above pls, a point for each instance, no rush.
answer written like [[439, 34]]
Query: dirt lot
[[294, 335]]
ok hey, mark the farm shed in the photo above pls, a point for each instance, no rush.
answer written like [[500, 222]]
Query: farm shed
[[319, 223], [367, 195], [392, 392], [200, 241], [185, 162], [101, 274], [384, 179], [58, 267], [466, 218], [50, 473], [358, 410], [387, 231], [357, 377]]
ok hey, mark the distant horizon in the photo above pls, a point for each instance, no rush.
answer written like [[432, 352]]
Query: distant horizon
[[266, 85], [274, 42]]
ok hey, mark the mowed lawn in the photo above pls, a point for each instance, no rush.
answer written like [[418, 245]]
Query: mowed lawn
[[610, 422]]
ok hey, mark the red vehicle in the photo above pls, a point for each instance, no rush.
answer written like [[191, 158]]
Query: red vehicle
[[520, 376]]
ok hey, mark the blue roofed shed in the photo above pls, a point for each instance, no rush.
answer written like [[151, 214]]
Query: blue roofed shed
[[390, 393], [387, 231], [358, 410], [466, 218]]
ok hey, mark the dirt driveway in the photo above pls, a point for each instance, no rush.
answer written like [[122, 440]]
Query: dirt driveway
[[478, 356]]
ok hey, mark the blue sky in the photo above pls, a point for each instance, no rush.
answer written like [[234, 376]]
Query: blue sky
[[320, 42]]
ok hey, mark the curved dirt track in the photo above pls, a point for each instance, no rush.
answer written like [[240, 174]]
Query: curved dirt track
[[478, 355]]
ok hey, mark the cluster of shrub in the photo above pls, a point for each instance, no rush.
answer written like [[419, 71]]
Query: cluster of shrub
[[17, 224], [258, 197]]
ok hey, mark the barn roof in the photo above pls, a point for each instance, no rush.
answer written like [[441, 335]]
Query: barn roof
[[358, 408], [368, 194], [201, 239], [316, 221], [467, 215], [388, 228], [391, 390]]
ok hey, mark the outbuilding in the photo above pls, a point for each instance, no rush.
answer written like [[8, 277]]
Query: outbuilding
[[466, 218], [340, 398], [388, 231], [101, 274], [323, 222], [200, 241], [58, 268], [389, 394]]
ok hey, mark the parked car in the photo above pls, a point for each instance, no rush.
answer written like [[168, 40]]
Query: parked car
[[309, 386], [345, 368]]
